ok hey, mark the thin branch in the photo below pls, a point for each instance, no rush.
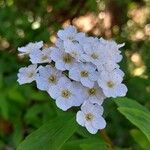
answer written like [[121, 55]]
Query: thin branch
[[106, 138]]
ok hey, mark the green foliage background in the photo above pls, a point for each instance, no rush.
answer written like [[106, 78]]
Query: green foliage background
[[24, 109]]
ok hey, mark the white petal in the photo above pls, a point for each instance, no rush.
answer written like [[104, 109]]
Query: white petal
[[86, 106], [67, 32], [60, 65], [54, 91], [80, 118], [119, 71], [110, 92], [99, 123], [94, 76], [68, 66], [95, 100], [46, 71], [80, 36], [30, 47], [74, 74], [78, 100], [42, 84], [64, 82], [86, 57], [35, 55], [62, 103], [118, 58], [27, 74], [87, 82], [56, 54], [90, 128], [96, 109], [121, 90], [121, 45]]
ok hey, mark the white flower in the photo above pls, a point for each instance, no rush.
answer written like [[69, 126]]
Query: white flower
[[88, 40], [70, 33], [121, 45], [74, 49], [30, 47], [85, 73], [119, 71], [95, 53], [103, 41], [108, 66], [90, 116], [111, 84], [59, 43], [47, 77], [95, 95], [63, 61], [66, 94], [27, 74], [112, 49], [40, 56], [80, 93]]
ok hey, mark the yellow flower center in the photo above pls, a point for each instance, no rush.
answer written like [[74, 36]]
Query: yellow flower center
[[65, 93], [92, 91], [84, 73], [73, 53], [89, 116], [67, 58], [94, 56], [70, 38], [110, 84], [30, 74], [44, 57], [52, 79]]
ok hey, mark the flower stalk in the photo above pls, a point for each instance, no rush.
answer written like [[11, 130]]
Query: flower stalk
[[106, 138]]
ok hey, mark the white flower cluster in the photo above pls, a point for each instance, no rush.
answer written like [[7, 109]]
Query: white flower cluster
[[77, 71]]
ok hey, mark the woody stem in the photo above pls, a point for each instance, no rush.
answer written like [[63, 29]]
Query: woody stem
[[106, 138]]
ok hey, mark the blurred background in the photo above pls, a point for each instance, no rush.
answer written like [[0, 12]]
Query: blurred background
[[23, 108]]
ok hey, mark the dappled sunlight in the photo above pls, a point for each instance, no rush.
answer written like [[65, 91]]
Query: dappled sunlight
[[139, 71], [24, 109], [4, 44], [137, 24], [137, 66], [86, 23], [136, 59]]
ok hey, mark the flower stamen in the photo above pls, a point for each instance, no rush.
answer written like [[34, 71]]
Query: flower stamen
[[89, 116], [65, 93]]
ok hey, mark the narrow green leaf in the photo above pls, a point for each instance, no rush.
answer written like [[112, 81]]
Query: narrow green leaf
[[95, 146], [52, 135], [17, 135], [4, 106], [129, 103], [139, 118], [140, 139], [86, 144]]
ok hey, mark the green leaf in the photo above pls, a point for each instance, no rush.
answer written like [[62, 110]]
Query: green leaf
[[95, 146], [86, 144], [52, 135], [4, 110], [135, 113], [129, 103], [17, 135], [39, 114], [140, 139], [39, 96], [139, 118]]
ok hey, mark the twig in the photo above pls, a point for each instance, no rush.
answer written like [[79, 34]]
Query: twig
[[106, 138]]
